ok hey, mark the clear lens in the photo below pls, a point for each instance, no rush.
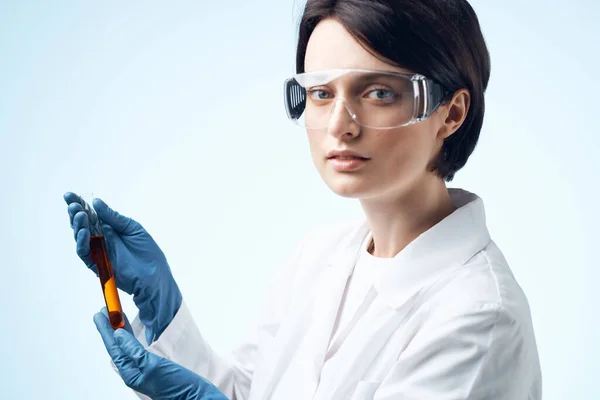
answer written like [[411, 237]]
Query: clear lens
[[372, 99]]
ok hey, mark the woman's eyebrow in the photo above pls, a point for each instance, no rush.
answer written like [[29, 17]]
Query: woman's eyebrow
[[369, 77]]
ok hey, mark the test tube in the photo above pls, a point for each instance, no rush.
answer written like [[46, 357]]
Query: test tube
[[105, 273]]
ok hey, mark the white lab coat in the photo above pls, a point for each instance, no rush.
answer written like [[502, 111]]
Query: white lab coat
[[449, 321]]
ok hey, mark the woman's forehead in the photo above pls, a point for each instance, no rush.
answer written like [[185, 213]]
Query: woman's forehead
[[331, 46]]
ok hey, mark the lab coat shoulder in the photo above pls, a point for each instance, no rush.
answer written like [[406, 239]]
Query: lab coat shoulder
[[486, 279], [472, 339]]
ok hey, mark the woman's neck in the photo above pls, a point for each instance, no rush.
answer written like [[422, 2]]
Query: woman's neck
[[398, 220]]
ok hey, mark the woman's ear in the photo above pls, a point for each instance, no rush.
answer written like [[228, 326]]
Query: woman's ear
[[455, 112]]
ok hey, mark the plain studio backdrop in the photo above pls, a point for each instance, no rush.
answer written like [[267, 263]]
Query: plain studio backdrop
[[173, 114]]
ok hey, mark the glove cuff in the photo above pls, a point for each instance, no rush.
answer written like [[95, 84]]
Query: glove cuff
[[157, 308]]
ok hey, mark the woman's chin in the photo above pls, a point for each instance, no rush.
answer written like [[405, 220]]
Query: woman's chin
[[351, 187]]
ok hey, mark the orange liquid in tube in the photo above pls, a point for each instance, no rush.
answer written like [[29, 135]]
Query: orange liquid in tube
[[107, 280]]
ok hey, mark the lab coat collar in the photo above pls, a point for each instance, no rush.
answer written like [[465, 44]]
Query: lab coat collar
[[447, 245]]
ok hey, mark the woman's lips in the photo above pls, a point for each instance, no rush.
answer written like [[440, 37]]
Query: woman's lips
[[347, 164]]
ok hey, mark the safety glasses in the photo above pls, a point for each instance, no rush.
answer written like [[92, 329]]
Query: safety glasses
[[373, 99]]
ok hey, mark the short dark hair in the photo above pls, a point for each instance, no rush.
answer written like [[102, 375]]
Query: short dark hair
[[440, 39]]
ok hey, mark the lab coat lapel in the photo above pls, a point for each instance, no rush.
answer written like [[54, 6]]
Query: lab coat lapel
[[361, 347], [318, 312], [327, 303]]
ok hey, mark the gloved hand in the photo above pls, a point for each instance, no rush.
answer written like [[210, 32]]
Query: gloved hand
[[147, 373], [139, 265]]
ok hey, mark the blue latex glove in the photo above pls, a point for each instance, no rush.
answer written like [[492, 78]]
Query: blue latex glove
[[147, 373], [139, 265]]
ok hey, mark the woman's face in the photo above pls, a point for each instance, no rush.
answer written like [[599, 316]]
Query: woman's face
[[398, 159]]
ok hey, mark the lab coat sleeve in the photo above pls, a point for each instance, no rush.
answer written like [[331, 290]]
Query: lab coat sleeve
[[475, 353], [181, 341]]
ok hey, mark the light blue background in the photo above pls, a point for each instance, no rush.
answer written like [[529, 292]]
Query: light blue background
[[173, 114]]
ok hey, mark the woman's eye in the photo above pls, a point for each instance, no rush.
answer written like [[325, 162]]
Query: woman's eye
[[382, 94], [318, 94]]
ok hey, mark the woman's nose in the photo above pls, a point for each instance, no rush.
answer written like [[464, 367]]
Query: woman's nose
[[342, 121]]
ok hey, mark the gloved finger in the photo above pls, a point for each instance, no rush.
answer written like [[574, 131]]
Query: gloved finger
[[133, 349], [80, 221], [127, 326], [126, 367], [132, 375], [73, 209], [107, 333], [120, 223], [83, 250], [71, 197]]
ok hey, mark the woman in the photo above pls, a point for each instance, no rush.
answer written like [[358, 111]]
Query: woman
[[414, 302]]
